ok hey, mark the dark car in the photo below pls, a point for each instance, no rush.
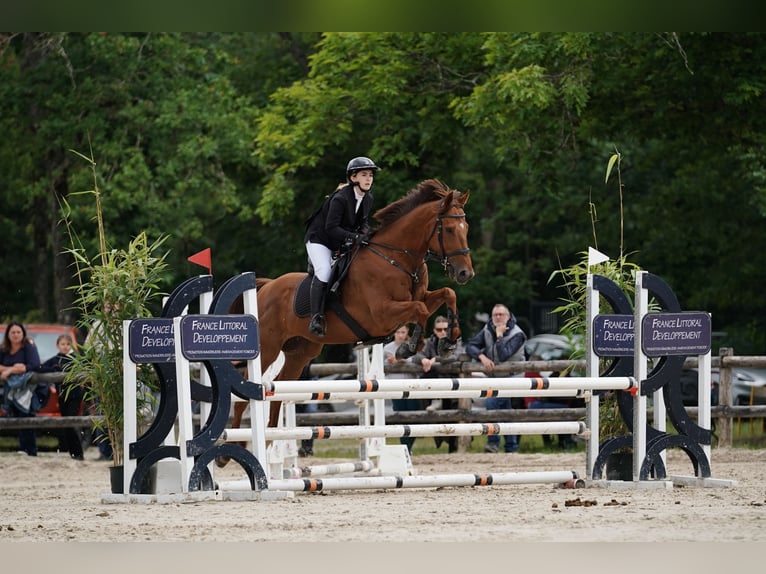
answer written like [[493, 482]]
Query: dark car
[[690, 387]]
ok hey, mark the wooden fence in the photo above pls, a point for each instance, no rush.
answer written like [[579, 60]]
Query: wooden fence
[[724, 413]]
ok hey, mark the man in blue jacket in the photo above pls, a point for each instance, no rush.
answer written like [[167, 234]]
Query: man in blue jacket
[[499, 341]]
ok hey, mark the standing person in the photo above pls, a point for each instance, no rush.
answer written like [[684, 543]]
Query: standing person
[[429, 359], [342, 219], [499, 341], [401, 336], [18, 359], [70, 396]]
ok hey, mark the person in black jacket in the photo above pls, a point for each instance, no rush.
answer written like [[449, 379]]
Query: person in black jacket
[[430, 360], [342, 219], [70, 396]]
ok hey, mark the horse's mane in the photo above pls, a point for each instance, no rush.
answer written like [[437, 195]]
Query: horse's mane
[[426, 191]]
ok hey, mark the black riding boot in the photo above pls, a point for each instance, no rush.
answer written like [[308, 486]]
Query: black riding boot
[[318, 325]]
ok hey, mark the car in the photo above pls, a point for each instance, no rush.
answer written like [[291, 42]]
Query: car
[[551, 347], [744, 381], [689, 386], [745, 386], [44, 335]]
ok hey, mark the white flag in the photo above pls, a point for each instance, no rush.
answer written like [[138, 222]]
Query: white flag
[[596, 257]]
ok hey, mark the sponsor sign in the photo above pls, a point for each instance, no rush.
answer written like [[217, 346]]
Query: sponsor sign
[[209, 337], [613, 335], [151, 341], [686, 333]]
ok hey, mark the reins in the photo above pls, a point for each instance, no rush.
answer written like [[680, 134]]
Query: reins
[[443, 259]]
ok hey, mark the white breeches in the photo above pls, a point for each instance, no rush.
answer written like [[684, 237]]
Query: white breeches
[[321, 260]]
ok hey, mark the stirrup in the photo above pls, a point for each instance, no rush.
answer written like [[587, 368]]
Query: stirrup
[[317, 325]]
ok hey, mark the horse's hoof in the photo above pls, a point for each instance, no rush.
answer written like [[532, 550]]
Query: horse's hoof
[[405, 351], [221, 461], [445, 347]]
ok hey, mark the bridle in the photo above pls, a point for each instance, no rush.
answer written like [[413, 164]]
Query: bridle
[[442, 258]]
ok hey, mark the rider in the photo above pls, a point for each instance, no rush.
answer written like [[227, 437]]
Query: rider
[[341, 219]]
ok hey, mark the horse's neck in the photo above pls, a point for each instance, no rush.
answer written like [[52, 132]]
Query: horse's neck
[[410, 233]]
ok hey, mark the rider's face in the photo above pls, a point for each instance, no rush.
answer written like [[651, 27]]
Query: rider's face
[[363, 179]]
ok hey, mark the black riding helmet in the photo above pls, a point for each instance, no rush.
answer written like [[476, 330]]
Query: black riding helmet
[[358, 164]]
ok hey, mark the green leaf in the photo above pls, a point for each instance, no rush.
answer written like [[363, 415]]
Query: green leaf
[[609, 166]]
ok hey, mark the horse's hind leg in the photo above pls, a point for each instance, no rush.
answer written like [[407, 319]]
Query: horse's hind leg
[[298, 352], [239, 411]]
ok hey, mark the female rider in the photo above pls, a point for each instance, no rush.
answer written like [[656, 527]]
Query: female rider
[[341, 219]]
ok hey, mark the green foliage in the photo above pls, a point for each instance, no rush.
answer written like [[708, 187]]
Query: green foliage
[[574, 281], [113, 286], [230, 140]]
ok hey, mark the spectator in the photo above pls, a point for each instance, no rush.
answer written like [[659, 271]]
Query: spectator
[[499, 341], [401, 336], [18, 359], [70, 396], [429, 359]]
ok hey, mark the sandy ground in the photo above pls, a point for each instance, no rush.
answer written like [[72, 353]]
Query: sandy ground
[[52, 498]]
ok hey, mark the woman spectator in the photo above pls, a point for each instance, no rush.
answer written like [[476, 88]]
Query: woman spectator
[[18, 359]]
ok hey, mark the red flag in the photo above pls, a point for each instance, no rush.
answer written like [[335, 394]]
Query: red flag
[[203, 259]]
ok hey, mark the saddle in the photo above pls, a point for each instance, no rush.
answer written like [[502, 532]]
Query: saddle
[[340, 267]]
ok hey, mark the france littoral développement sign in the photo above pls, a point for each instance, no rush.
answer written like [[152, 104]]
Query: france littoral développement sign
[[209, 337], [151, 341], [686, 333], [613, 335]]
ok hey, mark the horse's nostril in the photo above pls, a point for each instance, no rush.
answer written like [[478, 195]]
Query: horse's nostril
[[464, 276]]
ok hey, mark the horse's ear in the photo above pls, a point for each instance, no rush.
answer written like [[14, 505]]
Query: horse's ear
[[446, 202], [463, 197]]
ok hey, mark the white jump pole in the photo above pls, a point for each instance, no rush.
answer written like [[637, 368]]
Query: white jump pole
[[281, 390], [417, 481], [461, 394], [417, 430], [328, 469], [592, 302], [640, 370]]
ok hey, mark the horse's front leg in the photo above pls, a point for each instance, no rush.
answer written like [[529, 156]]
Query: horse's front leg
[[435, 299], [403, 312], [409, 348]]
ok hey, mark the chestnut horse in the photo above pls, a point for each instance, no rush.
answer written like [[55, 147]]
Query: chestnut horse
[[386, 284]]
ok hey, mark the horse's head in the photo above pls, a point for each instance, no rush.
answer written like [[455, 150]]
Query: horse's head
[[449, 239]]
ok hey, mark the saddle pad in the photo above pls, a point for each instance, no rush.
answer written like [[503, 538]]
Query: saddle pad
[[301, 302]]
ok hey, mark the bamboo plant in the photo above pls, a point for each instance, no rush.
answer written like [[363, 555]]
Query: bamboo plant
[[112, 286]]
